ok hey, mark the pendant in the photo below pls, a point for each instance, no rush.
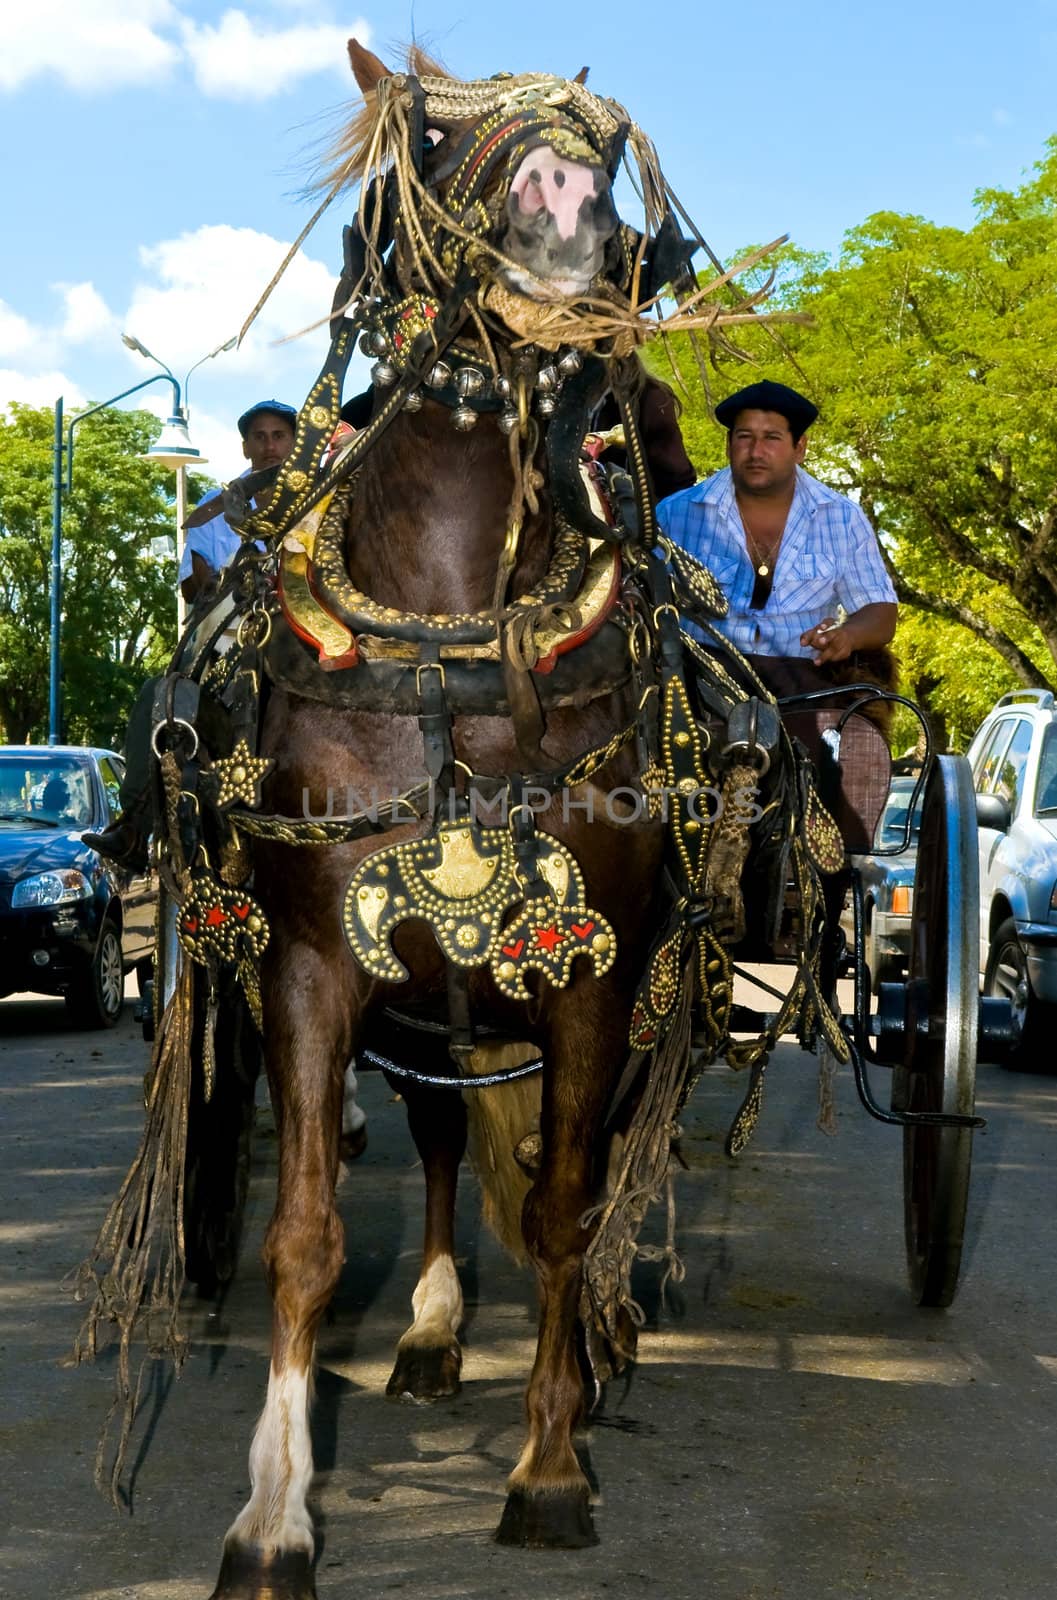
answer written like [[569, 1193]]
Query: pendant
[[763, 569]]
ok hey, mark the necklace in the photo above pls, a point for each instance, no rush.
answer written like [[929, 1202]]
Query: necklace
[[762, 562]]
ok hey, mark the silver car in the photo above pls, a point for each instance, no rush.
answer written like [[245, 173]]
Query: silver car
[[1013, 757]]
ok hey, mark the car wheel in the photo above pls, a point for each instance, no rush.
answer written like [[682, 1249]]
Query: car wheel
[[1007, 978], [95, 1001]]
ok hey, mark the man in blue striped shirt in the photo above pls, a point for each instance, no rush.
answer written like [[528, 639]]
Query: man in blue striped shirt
[[787, 552]]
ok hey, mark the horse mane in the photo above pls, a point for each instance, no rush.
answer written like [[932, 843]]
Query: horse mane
[[345, 161]]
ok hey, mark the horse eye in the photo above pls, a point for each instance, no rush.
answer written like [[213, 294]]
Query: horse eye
[[431, 138]]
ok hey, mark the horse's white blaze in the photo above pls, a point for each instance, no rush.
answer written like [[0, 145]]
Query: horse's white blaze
[[353, 1115], [437, 1304], [276, 1515]]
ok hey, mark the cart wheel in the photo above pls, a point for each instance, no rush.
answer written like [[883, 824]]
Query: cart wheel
[[939, 1069]]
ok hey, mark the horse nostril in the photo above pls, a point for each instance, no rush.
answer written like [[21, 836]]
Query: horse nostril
[[559, 179]]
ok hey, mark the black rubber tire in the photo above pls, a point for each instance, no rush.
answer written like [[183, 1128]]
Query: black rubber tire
[[1007, 977], [97, 997], [938, 1071]]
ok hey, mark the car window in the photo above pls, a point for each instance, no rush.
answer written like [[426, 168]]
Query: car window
[[1046, 787], [990, 758], [891, 828], [111, 784], [45, 792], [1009, 776]]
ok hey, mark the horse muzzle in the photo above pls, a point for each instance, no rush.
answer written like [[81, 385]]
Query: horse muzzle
[[559, 217]]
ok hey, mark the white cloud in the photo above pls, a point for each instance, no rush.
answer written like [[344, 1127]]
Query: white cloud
[[239, 60], [15, 332], [87, 314], [93, 45], [98, 45], [39, 389], [206, 283]]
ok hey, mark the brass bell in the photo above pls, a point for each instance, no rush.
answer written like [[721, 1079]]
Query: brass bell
[[502, 386], [464, 418], [440, 376], [383, 374], [546, 405], [507, 419], [413, 401], [468, 381], [570, 362], [547, 379]]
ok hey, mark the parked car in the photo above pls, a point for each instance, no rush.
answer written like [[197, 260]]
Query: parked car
[[1013, 757], [71, 923], [888, 885]]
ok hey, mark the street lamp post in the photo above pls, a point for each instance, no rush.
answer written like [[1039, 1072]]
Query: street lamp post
[[164, 452], [180, 448]]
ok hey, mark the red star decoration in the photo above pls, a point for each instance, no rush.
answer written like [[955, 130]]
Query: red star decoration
[[214, 917], [548, 938]]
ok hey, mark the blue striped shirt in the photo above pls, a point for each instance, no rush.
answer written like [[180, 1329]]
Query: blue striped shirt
[[829, 557]]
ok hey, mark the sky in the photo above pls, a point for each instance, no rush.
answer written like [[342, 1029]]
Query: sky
[[156, 153]]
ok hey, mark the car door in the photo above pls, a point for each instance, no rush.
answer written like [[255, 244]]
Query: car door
[[138, 892], [1001, 773], [985, 765]]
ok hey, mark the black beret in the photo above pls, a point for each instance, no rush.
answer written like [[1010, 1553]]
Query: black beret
[[768, 396]]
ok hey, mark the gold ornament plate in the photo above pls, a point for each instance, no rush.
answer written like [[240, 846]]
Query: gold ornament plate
[[219, 924], [462, 880]]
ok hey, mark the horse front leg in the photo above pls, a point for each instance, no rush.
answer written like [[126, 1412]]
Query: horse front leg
[[548, 1496], [269, 1548], [429, 1357]]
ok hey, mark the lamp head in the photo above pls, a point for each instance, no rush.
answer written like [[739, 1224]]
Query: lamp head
[[173, 447]]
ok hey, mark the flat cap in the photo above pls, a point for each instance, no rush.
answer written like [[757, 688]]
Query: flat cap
[[768, 396], [288, 413]]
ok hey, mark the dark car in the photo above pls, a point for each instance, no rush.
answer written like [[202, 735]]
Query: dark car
[[888, 885], [71, 923]]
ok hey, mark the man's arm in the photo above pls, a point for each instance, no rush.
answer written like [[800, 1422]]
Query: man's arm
[[200, 577]]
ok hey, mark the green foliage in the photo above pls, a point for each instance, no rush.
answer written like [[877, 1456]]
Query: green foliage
[[932, 356], [119, 601]]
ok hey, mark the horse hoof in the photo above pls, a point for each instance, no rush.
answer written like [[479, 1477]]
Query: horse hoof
[[547, 1521], [425, 1373], [352, 1145], [247, 1574]]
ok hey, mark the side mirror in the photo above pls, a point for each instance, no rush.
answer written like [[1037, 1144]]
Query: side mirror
[[992, 812]]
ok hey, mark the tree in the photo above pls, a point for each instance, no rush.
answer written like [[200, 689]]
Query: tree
[[119, 600], [933, 358]]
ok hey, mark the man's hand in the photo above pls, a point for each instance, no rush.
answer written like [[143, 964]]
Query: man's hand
[[865, 629], [830, 641]]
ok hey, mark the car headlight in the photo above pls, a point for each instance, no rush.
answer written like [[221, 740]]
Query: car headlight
[[51, 889]]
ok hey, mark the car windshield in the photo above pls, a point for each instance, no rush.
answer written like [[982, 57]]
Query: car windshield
[[45, 792], [892, 826], [1046, 787]]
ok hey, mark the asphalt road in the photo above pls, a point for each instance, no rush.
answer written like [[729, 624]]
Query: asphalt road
[[795, 1428]]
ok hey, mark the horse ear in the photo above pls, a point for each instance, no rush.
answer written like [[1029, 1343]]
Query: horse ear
[[367, 69], [581, 76]]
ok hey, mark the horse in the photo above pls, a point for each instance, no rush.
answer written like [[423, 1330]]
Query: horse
[[425, 534], [455, 619]]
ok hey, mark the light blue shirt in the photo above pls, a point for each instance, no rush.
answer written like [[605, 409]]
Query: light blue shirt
[[215, 541], [829, 557]]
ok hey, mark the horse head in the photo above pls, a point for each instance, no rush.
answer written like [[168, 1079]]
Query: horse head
[[510, 175]]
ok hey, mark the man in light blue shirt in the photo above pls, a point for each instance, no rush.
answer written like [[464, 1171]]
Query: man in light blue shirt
[[267, 431], [788, 553]]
